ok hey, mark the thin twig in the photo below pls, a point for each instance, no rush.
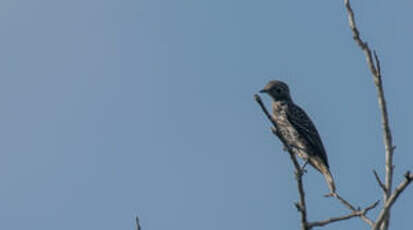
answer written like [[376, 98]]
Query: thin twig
[[382, 186], [301, 206], [375, 69], [353, 209], [408, 177], [357, 213]]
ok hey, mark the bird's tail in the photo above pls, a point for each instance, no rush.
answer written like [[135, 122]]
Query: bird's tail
[[329, 180], [323, 168]]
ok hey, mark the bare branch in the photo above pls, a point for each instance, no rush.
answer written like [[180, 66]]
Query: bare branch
[[356, 36], [386, 207], [382, 186], [353, 209], [301, 206], [357, 213], [374, 66], [299, 175], [376, 58], [138, 226]]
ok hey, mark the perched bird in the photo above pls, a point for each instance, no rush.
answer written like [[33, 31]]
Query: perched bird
[[298, 130]]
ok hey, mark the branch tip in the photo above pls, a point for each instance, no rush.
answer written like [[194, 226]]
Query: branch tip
[[382, 186]]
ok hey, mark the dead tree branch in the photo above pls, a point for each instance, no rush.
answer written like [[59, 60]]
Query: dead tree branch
[[374, 66], [355, 213], [353, 209], [390, 196], [386, 207], [382, 186]]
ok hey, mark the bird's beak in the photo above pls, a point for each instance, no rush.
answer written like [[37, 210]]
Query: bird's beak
[[263, 91]]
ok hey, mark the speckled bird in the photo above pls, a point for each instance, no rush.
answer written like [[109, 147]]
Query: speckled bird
[[298, 130]]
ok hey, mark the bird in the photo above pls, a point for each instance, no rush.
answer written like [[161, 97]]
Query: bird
[[297, 129]]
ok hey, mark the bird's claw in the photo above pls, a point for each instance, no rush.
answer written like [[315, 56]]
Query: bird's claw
[[303, 167]]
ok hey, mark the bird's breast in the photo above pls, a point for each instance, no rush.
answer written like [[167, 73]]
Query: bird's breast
[[288, 132]]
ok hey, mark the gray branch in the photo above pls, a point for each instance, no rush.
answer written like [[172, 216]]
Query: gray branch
[[374, 66], [382, 186], [362, 215], [408, 177], [356, 213]]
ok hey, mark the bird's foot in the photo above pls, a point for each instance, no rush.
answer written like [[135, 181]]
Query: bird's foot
[[303, 167]]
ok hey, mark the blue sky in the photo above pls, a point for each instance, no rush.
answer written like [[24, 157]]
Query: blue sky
[[112, 109]]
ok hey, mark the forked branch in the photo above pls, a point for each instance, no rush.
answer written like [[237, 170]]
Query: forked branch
[[353, 209], [355, 213], [375, 69], [408, 177]]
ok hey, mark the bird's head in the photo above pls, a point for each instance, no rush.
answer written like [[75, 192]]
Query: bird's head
[[278, 90]]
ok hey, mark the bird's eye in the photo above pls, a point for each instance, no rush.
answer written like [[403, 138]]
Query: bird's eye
[[278, 90]]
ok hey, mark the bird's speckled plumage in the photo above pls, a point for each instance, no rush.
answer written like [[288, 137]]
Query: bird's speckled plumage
[[297, 129]]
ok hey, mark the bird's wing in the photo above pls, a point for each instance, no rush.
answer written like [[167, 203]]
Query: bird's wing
[[305, 127]]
